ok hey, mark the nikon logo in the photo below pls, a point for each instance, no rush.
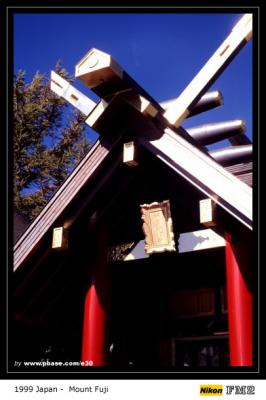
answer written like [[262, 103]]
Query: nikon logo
[[211, 390]]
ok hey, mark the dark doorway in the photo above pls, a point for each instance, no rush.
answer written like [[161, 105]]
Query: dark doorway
[[169, 311]]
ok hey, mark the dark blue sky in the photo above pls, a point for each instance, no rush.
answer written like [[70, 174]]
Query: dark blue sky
[[163, 52]]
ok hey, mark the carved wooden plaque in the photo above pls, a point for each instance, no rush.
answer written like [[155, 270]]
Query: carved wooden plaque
[[158, 227]]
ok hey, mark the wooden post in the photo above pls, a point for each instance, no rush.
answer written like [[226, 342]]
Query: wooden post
[[96, 309], [239, 298]]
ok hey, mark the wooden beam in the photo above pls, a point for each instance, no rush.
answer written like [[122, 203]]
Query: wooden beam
[[130, 154], [233, 154], [214, 132], [207, 102], [180, 109], [60, 238], [60, 200], [173, 148], [97, 119], [100, 72], [64, 89], [187, 242], [205, 174], [206, 207], [172, 145]]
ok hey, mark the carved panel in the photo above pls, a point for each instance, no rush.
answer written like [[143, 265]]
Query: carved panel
[[158, 227], [119, 252]]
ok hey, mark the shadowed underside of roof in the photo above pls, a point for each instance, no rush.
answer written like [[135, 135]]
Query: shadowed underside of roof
[[20, 224]]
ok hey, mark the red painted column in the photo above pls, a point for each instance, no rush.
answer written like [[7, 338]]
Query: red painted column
[[239, 297], [96, 310]]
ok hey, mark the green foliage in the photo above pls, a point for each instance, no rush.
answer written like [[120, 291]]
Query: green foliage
[[46, 147]]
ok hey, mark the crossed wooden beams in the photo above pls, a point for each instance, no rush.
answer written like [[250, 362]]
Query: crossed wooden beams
[[125, 107]]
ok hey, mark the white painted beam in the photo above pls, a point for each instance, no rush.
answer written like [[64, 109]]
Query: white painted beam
[[171, 147], [64, 89], [182, 156], [179, 109], [190, 241], [204, 173], [190, 162]]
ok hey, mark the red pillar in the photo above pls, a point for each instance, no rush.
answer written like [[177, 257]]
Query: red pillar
[[239, 297], [95, 323]]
